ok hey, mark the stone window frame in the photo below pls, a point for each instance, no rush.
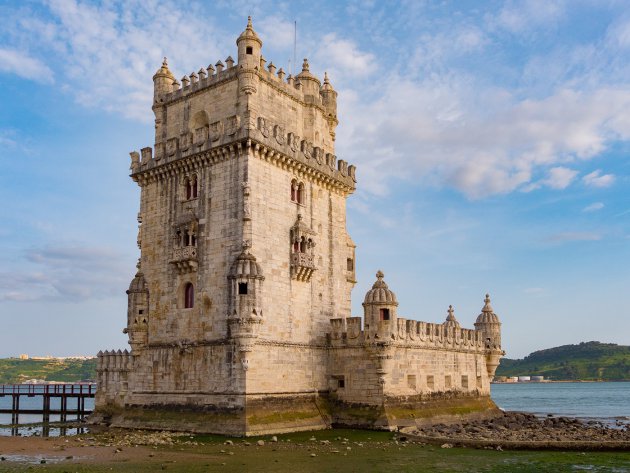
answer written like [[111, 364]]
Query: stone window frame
[[188, 295], [190, 187], [298, 192]]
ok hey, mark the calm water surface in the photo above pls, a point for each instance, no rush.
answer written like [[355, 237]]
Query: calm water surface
[[605, 402], [590, 401]]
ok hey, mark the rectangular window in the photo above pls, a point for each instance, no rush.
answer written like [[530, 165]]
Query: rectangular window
[[430, 382], [338, 381], [242, 288], [384, 313], [464, 381], [447, 381], [249, 50], [411, 381], [350, 264]]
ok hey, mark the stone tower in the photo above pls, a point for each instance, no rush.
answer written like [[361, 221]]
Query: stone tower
[[239, 314], [245, 256]]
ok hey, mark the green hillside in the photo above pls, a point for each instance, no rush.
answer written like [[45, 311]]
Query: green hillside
[[588, 361], [13, 370]]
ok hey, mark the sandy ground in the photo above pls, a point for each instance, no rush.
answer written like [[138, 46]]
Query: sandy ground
[[90, 449]]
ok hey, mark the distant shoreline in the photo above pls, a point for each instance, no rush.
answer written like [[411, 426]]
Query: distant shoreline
[[549, 381]]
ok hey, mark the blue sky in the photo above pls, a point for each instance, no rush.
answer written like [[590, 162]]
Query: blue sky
[[491, 140]]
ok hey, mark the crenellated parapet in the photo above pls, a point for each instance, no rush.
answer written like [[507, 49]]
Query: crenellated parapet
[[113, 360], [384, 326], [231, 102], [408, 333]]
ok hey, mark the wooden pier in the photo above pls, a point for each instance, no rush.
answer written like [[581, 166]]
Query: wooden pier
[[63, 392]]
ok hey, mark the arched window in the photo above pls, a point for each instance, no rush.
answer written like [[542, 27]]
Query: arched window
[[194, 187], [188, 189], [303, 245], [296, 247], [300, 193], [189, 296], [294, 191]]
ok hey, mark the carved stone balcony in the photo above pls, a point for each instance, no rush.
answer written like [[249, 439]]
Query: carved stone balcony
[[302, 266], [185, 259]]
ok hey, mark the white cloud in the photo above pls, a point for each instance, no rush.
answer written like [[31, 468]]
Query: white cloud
[[482, 141], [594, 207], [64, 273], [109, 51], [597, 179], [560, 177], [22, 65], [343, 57]]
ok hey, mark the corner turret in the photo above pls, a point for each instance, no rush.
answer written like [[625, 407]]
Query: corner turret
[[137, 311], [310, 83], [245, 289], [379, 309], [249, 47], [329, 100], [488, 323], [162, 81]]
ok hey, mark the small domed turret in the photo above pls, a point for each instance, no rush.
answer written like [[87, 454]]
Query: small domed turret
[[162, 81], [380, 293], [137, 311], [487, 315], [488, 323], [379, 309], [249, 46], [310, 83], [329, 100], [451, 321], [245, 266]]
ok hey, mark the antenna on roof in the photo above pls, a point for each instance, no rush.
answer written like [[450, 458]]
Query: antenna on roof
[[294, 43]]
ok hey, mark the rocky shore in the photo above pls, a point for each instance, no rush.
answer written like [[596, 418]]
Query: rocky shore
[[526, 431]]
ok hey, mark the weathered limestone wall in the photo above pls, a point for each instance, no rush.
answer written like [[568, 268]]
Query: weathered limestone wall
[[298, 310]]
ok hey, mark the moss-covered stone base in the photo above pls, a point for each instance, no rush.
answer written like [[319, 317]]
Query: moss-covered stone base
[[398, 412], [261, 415], [264, 415]]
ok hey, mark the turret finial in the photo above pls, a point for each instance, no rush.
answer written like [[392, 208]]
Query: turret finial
[[165, 62], [380, 275], [487, 307], [326, 81], [451, 313], [305, 65], [249, 22]]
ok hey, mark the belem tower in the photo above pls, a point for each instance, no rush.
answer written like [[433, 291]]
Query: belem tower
[[239, 316]]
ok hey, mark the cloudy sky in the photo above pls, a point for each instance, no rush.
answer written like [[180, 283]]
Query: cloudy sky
[[491, 140]]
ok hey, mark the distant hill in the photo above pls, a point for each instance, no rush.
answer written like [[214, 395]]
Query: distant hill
[[13, 370], [588, 361]]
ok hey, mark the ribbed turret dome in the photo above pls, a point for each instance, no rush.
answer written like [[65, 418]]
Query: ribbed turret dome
[[164, 71], [249, 33], [245, 266], [380, 293], [327, 85], [306, 73], [487, 315], [138, 283], [451, 321]]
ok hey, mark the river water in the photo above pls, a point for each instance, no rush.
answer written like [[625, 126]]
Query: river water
[[606, 402]]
